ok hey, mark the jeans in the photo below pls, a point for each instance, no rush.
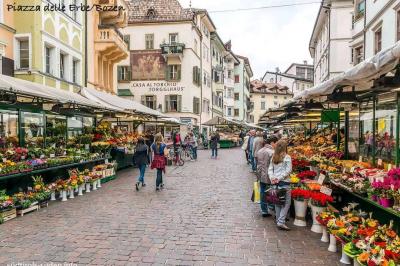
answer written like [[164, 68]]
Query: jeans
[[142, 169], [253, 162], [214, 152], [264, 205], [194, 150], [159, 180], [282, 211]]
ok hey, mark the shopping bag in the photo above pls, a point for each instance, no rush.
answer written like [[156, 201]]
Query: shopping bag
[[256, 193]]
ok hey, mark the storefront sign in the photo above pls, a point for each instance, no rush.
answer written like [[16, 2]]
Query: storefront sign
[[161, 86]]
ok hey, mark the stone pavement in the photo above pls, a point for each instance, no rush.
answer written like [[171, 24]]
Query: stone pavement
[[204, 216]]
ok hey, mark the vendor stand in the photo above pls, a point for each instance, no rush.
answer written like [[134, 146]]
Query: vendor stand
[[228, 130]]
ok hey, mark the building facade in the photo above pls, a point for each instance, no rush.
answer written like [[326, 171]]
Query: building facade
[[171, 60], [7, 32], [243, 74], [106, 44], [297, 77], [51, 49], [329, 43], [218, 52], [231, 61], [376, 26], [265, 96]]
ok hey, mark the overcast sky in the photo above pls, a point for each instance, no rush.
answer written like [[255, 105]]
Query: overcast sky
[[270, 38]]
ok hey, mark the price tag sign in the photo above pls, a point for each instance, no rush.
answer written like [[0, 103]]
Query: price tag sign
[[380, 162], [326, 190], [321, 179], [52, 155]]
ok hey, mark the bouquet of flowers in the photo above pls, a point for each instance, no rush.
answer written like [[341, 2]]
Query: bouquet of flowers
[[6, 202], [300, 194], [320, 199], [307, 175]]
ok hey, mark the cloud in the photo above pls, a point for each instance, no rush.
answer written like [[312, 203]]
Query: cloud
[[270, 38]]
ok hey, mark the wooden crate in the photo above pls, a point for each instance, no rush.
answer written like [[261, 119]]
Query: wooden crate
[[30, 209], [8, 215]]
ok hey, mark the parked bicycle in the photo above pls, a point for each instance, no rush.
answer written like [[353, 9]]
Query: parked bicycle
[[176, 157], [187, 152]]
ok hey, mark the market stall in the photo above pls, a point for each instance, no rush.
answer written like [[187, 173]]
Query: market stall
[[228, 129]]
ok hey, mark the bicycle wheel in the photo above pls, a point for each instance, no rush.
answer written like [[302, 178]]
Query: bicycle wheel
[[181, 162]]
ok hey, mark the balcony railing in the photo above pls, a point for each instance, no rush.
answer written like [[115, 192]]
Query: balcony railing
[[173, 48], [110, 34]]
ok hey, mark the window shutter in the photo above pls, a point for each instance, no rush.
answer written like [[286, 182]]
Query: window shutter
[[129, 73], [178, 70], [155, 102], [199, 76], [119, 71], [167, 73], [179, 99], [166, 108], [143, 99], [194, 75]]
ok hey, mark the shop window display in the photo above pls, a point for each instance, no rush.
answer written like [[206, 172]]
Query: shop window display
[[8, 129], [32, 129]]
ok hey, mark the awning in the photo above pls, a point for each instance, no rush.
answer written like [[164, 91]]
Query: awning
[[221, 121], [359, 76], [32, 89], [108, 99]]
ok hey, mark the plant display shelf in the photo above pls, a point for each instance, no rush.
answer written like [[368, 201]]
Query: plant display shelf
[[30, 209], [8, 215], [39, 171]]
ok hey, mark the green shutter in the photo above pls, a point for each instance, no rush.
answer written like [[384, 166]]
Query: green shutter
[[155, 102], [119, 72], [179, 98], [194, 75], [178, 70], [167, 77], [129, 73]]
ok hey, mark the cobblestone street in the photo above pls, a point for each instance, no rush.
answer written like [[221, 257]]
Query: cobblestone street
[[204, 216]]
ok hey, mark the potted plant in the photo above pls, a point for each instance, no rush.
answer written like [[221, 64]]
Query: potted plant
[[300, 197], [7, 209]]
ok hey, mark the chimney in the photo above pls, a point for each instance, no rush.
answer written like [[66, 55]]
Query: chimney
[[305, 62], [277, 70]]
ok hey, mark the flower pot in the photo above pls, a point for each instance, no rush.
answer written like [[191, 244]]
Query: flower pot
[[80, 190], [355, 262], [64, 195], [345, 259], [374, 198], [332, 243], [94, 185], [76, 189], [300, 208], [99, 183], [325, 236], [71, 193], [87, 187], [387, 203], [53, 196], [316, 226]]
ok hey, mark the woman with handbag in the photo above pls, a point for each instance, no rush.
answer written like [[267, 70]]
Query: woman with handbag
[[159, 160], [279, 172]]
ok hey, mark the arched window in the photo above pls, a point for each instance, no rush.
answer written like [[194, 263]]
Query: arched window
[[151, 13]]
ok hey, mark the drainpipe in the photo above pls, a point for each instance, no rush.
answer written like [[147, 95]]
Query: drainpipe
[[365, 30], [201, 76], [86, 49]]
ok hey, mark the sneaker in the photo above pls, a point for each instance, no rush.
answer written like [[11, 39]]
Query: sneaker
[[266, 215], [137, 186], [283, 227], [162, 186], [143, 184], [157, 189]]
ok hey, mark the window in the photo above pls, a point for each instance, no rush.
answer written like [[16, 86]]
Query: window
[[196, 76], [262, 105], [127, 40], [301, 72], [173, 72], [262, 96], [48, 59], [230, 94], [173, 38], [75, 67], [24, 54], [62, 66], [150, 101], [378, 40], [173, 103], [358, 54], [236, 112], [9, 128], [149, 38], [196, 105], [275, 103], [229, 111], [237, 79], [398, 24], [206, 106], [229, 74], [361, 7], [275, 97], [124, 73], [236, 96], [310, 74]]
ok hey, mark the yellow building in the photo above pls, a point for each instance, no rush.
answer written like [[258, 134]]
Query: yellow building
[[7, 32], [106, 45]]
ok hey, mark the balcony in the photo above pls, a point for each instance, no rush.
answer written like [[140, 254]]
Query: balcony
[[229, 82], [173, 50], [114, 12], [110, 43]]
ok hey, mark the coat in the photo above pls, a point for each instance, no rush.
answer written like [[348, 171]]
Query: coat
[[214, 141], [245, 143], [264, 156], [258, 143], [141, 154]]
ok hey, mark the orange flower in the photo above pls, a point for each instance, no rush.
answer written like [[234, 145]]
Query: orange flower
[[355, 219], [391, 233], [363, 257], [339, 223], [372, 223], [384, 262], [374, 251]]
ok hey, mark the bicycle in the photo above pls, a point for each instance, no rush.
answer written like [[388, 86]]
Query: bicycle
[[176, 157], [187, 152]]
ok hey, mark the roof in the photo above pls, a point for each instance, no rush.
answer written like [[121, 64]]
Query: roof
[[215, 37], [300, 65], [287, 76], [257, 86], [150, 11], [316, 24], [247, 63]]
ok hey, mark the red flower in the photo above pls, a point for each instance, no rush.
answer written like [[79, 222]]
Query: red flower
[[300, 194], [320, 199], [306, 175]]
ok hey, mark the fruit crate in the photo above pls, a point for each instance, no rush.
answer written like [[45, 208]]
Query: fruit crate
[[8, 215]]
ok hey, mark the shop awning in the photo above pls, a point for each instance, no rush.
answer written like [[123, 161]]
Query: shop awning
[[359, 76], [108, 99], [32, 89], [221, 121]]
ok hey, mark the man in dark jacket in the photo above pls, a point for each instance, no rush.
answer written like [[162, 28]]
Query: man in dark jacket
[[214, 145], [141, 160]]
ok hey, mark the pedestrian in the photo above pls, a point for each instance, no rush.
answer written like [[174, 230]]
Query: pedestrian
[[194, 145], [250, 150], [177, 144], [264, 156], [214, 145], [258, 143], [245, 147], [279, 172], [159, 149], [141, 160]]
